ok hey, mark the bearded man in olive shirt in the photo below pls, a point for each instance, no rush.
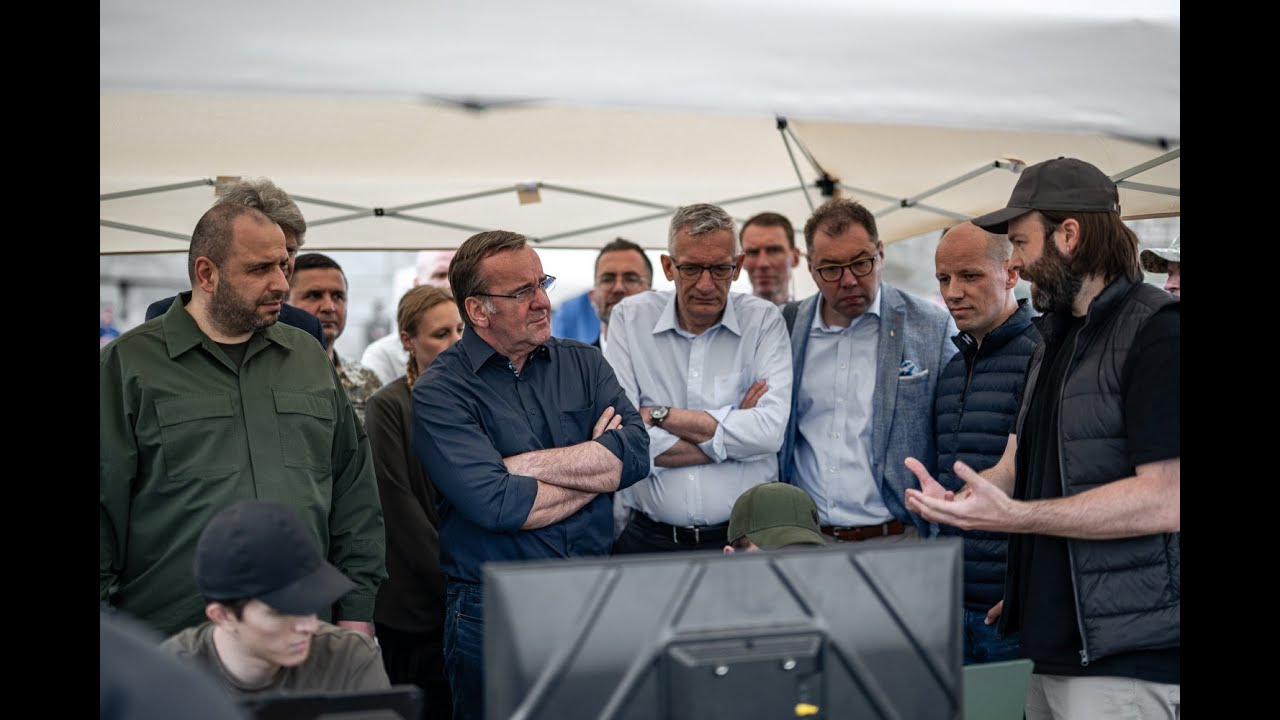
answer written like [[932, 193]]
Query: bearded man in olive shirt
[[215, 402]]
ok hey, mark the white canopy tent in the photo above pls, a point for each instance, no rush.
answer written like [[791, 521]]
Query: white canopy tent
[[407, 125]]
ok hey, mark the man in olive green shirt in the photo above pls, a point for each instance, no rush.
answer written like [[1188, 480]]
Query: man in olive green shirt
[[215, 402]]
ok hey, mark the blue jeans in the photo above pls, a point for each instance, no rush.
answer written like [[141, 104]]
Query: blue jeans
[[464, 649], [981, 645]]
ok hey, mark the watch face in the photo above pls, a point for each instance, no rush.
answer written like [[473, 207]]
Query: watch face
[[657, 413]]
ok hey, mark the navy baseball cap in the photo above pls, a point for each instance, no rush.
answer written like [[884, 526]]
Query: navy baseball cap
[[263, 550]]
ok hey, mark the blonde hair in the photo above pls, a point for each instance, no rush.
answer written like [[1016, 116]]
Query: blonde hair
[[413, 304]]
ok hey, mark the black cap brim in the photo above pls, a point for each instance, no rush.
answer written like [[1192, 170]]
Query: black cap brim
[[311, 593], [998, 222]]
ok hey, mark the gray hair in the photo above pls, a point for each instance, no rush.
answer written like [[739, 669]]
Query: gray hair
[[700, 219], [266, 196]]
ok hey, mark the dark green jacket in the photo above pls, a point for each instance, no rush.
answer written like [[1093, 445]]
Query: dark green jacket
[[183, 433]]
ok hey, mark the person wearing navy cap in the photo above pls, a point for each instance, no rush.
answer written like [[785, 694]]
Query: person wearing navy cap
[[264, 581]]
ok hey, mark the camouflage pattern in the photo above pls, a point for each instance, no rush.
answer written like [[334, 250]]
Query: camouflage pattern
[[359, 381]]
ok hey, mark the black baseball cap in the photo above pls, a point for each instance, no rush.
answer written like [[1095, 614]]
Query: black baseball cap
[[263, 550], [774, 515], [1062, 184]]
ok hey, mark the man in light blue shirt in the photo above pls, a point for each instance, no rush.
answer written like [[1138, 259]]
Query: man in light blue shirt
[[867, 358], [710, 371]]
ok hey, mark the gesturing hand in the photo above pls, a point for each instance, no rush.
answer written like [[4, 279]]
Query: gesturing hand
[[980, 506], [930, 487]]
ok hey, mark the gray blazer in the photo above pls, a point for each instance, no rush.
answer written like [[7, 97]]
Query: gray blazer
[[911, 328]]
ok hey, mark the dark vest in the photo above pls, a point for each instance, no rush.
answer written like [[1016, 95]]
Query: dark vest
[[977, 402], [1126, 591]]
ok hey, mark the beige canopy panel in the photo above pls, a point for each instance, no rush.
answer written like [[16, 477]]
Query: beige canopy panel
[[414, 125]]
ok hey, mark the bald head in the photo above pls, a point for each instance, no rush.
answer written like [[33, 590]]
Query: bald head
[[966, 234], [432, 268], [972, 267]]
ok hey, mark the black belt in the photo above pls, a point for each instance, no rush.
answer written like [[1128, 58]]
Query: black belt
[[693, 534]]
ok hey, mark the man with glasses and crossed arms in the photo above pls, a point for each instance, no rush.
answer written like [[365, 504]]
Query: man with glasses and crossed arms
[[867, 358], [524, 436], [710, 371]]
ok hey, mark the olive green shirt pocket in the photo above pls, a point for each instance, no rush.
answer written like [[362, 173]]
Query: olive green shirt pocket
[[196, 434], [306, 428]]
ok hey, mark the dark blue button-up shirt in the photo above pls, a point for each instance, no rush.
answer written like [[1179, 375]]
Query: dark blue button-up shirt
[[470, 410]]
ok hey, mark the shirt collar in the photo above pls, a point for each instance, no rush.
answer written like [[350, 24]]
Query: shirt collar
[[181, 332], [818, 324], [480, 352], [668, 320]]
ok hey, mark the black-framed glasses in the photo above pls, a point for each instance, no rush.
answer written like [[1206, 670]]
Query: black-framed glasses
[[689, 271], [524, 295], [860, 268]]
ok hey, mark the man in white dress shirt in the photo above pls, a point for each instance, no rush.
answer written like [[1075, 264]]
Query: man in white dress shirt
[[710, 371]]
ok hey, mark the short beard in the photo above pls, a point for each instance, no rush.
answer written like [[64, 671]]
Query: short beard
[[1053, 286], [234, 317]]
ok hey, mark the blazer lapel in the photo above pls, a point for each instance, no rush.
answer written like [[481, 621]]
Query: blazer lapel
[[885, 398]]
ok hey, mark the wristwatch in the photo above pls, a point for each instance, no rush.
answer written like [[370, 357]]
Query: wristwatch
[[659, 413]]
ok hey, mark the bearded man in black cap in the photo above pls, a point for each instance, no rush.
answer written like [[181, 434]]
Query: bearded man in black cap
[[1090, 479], [264, 580]]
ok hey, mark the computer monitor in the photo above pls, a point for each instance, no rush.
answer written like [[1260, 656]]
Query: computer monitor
[[847, 631], [399, 702]]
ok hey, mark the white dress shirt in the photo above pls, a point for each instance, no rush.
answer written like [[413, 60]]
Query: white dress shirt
[[833, 423], [386, 357], [659, 363]]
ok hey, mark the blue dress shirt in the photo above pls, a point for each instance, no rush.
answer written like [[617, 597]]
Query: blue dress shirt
[[471, 410]]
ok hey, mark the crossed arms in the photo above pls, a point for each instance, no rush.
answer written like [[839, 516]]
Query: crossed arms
[[569, 477], [694, 427]]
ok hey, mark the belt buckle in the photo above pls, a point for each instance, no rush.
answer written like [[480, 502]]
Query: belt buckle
[[697, 535]]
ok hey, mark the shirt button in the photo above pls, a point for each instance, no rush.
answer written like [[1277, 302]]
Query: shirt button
[[835, 434], [843, 366], [695, 373], [530, 412]]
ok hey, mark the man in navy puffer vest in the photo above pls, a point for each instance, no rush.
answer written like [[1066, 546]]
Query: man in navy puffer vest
[[977, 402]]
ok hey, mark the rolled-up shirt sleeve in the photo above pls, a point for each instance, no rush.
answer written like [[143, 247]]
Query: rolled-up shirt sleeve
[[746, 434], [631, 442], [450, 440]]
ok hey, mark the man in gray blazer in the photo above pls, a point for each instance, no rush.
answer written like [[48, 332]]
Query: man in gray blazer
[[866, 358]]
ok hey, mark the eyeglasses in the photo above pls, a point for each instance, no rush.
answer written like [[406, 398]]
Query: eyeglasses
[[689, 271], [860, 268], [524, 295]]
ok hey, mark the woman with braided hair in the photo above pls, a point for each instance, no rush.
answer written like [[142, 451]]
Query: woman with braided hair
[[409, 612]]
